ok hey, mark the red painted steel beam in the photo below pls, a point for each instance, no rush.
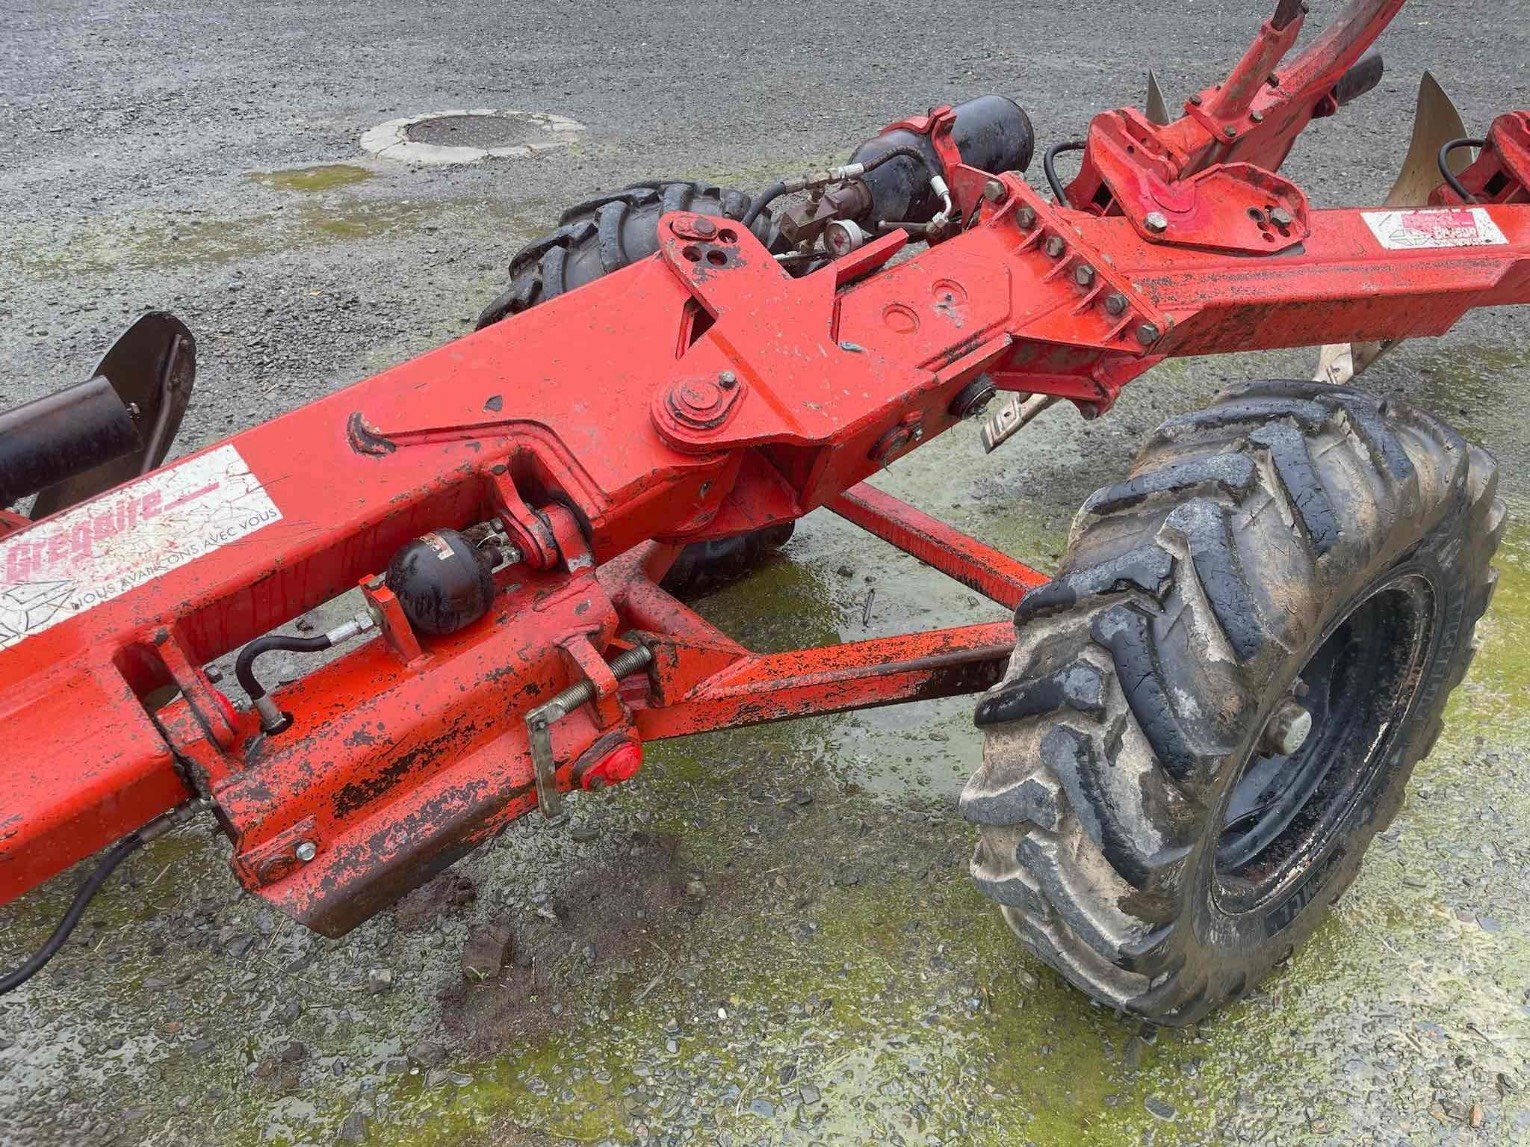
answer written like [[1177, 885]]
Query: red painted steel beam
[[996, 576], [857, 675]]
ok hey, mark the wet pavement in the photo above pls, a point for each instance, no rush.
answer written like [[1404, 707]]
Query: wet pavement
[[769, 936]]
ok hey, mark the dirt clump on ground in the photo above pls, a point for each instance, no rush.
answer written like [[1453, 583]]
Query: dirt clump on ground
[[591, 930]]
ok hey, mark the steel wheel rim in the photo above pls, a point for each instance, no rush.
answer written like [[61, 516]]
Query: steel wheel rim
[[1282, 815]]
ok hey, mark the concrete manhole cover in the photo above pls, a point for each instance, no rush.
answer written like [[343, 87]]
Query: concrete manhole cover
[[469, 136]]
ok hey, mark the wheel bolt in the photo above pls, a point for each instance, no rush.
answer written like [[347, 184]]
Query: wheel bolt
[[1287, 730]]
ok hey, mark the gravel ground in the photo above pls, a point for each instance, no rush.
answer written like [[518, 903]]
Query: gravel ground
[[768, 937]]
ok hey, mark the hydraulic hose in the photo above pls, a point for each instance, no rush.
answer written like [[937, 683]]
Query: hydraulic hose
[[783, 187], [761, 201], [272, 719], [1049, 165], [1450, 176], [113, 857]]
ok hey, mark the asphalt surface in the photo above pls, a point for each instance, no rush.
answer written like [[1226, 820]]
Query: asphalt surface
[[768, 937]]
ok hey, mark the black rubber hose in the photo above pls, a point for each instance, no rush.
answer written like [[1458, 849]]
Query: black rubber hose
[[115, 855], [765, 198], [244, 667], [905, 151], [1450, 176], [762, 201], [1049, 165]]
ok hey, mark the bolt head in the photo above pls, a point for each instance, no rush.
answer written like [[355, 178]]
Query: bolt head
[[1230, 132], [1026, 218], [1083, 275], [727, 380], [1288, 729], [1257, 117], [700, 396], [1115, 304], [1147, 334], [306, 851], [993, 191], [1156, 222], [1056, 247], [1281, 217]]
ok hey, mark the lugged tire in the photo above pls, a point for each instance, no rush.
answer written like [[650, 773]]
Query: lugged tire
[[1190, 597], [603, 235], [608, 233]]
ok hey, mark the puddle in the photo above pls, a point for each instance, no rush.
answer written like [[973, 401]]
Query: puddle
[[325, 177], [158, 243]]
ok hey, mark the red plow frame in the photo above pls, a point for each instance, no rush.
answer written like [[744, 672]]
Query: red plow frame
[[699, 394]]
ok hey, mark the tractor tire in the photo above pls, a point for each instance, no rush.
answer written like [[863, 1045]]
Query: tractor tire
[[1219, 700], [603, 235]]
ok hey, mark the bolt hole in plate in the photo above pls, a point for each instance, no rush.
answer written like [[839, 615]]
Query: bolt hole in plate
[[469, 136]]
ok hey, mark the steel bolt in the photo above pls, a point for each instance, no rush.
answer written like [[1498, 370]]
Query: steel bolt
[[1230, 132], [306, 851], [993, 191], [1026, 218], [1257, 117], [727, 380], [1281, 217], [1196, 100], [1115, 304], [1056, 248], [1147, 334], [1156, 222], [213, 674], [1083, 275], [1288, 729]]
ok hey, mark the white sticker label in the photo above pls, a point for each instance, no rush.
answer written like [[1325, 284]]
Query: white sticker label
[[1442, 227], [66, 564]]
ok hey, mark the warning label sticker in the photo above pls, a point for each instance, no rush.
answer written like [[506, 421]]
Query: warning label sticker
[[1441, 227], [66, 564]]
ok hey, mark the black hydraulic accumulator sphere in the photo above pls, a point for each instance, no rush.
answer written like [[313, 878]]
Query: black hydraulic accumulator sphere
[[442, 581]]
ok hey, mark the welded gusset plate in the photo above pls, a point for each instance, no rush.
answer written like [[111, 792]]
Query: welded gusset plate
[[1228, 207]]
